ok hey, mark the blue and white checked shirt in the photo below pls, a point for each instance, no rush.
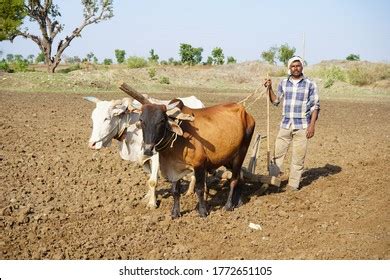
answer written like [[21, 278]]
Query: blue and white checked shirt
[[299, 101]]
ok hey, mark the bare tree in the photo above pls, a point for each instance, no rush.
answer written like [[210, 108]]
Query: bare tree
[[45, 13]]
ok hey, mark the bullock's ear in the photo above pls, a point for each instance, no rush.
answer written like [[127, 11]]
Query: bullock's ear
[[118, 109], [175, 128]]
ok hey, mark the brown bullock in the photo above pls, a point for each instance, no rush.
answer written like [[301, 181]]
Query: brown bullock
[[217, 136]]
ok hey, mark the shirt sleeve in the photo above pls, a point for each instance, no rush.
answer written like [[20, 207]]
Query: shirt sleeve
[[314, 100]]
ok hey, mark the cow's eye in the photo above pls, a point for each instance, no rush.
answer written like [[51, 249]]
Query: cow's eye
[[106, 119]]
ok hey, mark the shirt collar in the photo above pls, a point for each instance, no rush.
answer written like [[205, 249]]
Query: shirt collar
[[302, 78]]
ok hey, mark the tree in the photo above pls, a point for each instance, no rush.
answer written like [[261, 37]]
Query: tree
[[153, 57], [269, 55], [353, 57], [285, 53], [72, 59], [209, 60], [107, 61], [30, 58], [91, 57], [120, 56], [10, 57], [218, 57], [40, 58], [45, 14], [190, 55], [231, 60], [198, 55], [12, 13]]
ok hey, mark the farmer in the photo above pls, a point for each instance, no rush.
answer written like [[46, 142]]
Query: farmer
[[301, 106]]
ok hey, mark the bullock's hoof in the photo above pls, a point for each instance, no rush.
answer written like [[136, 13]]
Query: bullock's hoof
[[228, 207], [151, 202], [203, 211], [151, 205], [175, 214], [239, 202]]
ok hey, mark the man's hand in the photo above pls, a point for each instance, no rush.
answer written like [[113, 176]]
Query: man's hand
[[268, 83], [310, 131]]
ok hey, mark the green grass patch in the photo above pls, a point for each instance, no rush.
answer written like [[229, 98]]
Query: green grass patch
[[136, 62]]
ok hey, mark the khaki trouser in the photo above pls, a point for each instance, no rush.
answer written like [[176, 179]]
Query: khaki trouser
[[299, 147]]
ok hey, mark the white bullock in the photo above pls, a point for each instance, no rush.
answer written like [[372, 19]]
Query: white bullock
[[113, 120]]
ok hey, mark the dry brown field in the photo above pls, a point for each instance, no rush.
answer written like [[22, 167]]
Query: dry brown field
[[61, 200]]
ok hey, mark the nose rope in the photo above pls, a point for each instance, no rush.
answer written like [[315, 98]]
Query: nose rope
[[162, 139], [164, 144]]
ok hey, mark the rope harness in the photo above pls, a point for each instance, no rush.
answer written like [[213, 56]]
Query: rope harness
[[250, 95], [164, 142]]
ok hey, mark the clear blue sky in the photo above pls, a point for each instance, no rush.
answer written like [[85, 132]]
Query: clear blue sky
[[242, 28]]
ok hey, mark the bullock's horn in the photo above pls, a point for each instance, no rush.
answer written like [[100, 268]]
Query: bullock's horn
[[133, 93], [176, 113], [92, 99], [173, 105]]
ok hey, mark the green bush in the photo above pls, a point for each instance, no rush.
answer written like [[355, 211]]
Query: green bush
[[359, 77], [231, 60], [4, 66], [209, 61], [335, 73], [20, 65], [330, 75], [353, 57], [107, 61], [14, 63], [164, 80], [136, 62], [328, 83], [152, 73], [120, 56]]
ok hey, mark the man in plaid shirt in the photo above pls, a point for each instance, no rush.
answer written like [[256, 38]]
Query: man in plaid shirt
[[300, 111]]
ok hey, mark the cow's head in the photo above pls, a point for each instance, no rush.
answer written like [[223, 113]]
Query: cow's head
[[154, 124], [157, 123], [157, 120], [105, 121]]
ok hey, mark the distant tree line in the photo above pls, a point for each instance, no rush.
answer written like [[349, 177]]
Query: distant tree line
[[285, 52], [47, 14]]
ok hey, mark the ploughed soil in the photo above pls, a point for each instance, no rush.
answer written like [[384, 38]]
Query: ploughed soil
[[61, 200]]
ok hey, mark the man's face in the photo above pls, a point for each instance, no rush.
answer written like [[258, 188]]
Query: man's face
[[296, 69]]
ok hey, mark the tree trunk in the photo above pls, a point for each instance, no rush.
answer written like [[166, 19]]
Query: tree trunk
[[51, 68]]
